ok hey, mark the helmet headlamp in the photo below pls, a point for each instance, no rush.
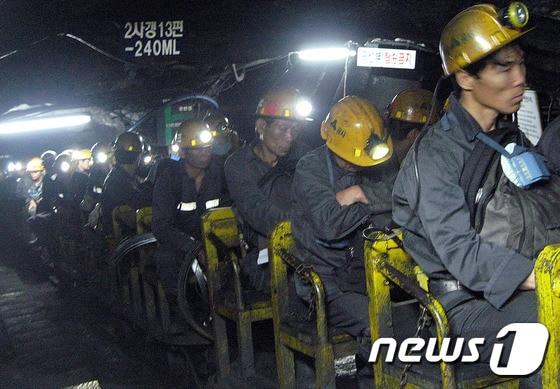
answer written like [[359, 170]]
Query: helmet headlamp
[[304, 108], [65, 167], [377, 148], [101, 157], [205, 136], [515, 15]]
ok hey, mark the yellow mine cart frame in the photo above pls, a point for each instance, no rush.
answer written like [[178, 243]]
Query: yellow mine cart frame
[[317, 341], [547, 272], [221, 244], [389, 266]]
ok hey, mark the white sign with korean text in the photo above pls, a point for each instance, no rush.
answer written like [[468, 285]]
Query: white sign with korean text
[[153, 38], [529, 118], [375, 57]]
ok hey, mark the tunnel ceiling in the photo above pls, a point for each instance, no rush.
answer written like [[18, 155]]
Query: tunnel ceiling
[[51, 68]]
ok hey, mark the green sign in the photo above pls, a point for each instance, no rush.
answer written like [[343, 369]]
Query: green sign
[[173, 116]]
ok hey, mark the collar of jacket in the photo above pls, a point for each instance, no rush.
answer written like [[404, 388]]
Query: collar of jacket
[[338, 172], [121, 171], [252, 156], [457, 116]]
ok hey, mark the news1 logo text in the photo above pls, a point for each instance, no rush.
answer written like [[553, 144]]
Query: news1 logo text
[[526, 355]]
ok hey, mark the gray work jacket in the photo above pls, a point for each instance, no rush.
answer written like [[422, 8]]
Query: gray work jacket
[[436, 219], [320, 224], [261, 193]]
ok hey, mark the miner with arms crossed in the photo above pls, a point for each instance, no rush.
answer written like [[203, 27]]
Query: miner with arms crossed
[[338, 190]]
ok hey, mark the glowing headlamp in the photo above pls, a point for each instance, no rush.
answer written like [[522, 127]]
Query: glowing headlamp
[[15, 166], [379, 152], [65, 167], [205, 136], [175, 148], [147, 159], [377, 148], [304, 108], [101, 157], [515, 15]]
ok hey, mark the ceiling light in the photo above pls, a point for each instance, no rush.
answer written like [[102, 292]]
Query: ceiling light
[[327, 54], [29, 125]]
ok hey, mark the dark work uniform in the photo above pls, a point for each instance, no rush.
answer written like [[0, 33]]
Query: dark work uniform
[[56, 193], [262, 198], [549, 144], [12, 208], [176, 211], [439, 236], [120, 188], [159, 167], [94, 187], [328, 235], [55, 207], [29, 190], [78, 186], [96, 244]]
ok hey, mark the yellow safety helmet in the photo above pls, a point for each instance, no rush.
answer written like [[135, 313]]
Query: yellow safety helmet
[[479, 31], [81, 154], [354, 131], [411, 105], [194, 134], [288, 104], [35, 165]]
